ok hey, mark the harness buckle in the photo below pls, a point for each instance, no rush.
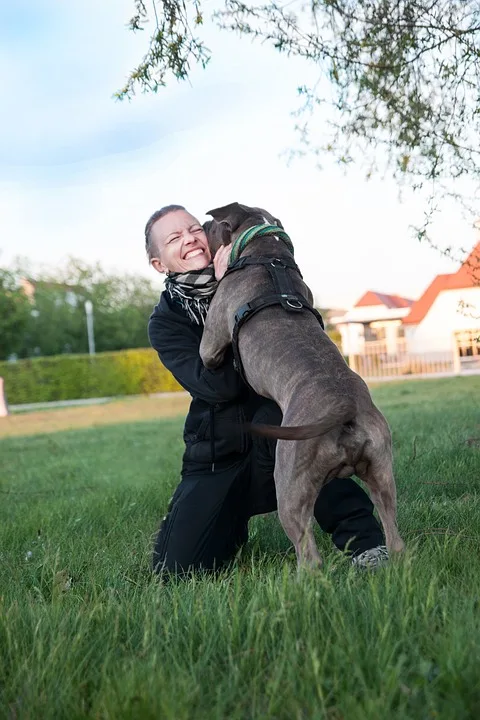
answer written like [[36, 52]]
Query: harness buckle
[[299, 305], [290, 302], [242, 311]]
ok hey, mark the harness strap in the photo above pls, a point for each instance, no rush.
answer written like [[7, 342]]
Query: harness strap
[[258, 231], [262, 260], [285, 295], [281, 281]]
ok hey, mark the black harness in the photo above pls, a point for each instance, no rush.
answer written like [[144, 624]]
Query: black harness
[[284, 295]]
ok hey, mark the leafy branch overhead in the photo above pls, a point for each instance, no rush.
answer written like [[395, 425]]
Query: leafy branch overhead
[[172, 45], [400, 76]]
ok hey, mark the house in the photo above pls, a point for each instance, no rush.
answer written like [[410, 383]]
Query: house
[[375, 321], [64, 293], [28, 288], [444, 320], [447, 315]]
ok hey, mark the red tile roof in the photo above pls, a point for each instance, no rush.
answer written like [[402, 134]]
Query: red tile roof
[[390, 301], [468, 275]]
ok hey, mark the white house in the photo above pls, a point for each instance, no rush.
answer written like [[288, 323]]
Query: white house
[[444, 321], [447, 315], [375, 321]]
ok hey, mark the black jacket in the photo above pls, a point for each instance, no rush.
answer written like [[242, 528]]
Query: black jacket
[[221, 401]]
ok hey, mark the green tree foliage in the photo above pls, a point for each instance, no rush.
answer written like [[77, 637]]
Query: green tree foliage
[[14, 314], [172, 45], [398, 81], [53, 322], [56, 324]]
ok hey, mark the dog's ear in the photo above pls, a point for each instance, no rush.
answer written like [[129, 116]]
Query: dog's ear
[[234, 214], [218, 234], [268, 217]]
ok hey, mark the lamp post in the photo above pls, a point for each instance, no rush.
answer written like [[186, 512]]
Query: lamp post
[[91, 338]]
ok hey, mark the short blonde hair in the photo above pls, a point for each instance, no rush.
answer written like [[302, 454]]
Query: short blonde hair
[[149, 245]]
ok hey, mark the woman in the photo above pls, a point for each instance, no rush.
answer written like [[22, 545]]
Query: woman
[[227, 475]]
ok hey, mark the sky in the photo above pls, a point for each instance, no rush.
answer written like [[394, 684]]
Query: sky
[[80, 173]]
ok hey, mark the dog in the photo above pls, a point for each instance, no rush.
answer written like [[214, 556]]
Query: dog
[[287, 357]]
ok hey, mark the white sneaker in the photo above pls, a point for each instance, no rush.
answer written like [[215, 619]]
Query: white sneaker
[[372, 558]]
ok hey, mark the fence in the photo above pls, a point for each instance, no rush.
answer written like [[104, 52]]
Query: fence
[[377, 363]]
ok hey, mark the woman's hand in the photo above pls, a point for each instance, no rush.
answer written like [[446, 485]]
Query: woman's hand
[[220, 261]]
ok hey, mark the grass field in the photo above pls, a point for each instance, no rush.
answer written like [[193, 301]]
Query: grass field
[[86, 631]]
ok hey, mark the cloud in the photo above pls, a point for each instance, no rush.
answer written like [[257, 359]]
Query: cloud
[[82, 173]]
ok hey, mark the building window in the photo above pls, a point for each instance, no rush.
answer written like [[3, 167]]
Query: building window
[[468, 342], [373, 334]]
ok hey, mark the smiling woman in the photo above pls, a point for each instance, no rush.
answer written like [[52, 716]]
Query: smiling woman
[[177, 247], [178, 243]]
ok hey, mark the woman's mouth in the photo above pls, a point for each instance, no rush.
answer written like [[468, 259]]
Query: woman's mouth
[[193, 253]]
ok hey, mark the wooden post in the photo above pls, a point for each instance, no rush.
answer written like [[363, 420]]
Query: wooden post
[[3, 400]]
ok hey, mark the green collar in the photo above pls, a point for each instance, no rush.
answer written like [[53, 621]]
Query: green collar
[[257, 231]]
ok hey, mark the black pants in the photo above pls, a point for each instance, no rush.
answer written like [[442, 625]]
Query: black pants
[[207, 519]]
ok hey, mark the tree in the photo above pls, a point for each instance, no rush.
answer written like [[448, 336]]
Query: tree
[[122, 303], [14, 314], [57, 322], [398, 80]]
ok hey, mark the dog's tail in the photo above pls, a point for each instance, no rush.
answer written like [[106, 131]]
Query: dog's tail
[[339, 414]]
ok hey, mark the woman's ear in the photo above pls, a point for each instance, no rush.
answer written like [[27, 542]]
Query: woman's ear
[[157, 264]]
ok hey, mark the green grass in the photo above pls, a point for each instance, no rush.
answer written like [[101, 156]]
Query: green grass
[[255, 642]]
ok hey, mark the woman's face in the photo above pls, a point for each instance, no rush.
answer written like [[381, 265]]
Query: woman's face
[[180, 242]]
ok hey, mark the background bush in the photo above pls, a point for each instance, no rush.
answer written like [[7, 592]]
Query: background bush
[[72, 377]]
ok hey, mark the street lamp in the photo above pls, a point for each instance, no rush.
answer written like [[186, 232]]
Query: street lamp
[[91, 338]]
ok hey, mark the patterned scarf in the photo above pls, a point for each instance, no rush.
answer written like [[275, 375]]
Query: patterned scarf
[[194, 291]]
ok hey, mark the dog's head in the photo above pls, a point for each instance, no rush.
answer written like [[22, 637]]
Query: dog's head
[[230, 220]]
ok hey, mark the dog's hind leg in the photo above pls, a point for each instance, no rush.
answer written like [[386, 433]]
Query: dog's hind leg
[[296, 496], [296, 519], [380, 481]]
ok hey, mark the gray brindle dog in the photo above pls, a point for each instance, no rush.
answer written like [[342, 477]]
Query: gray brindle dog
[[286, 356]]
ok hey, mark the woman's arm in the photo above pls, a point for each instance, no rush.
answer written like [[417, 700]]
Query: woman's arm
[[178, 345]]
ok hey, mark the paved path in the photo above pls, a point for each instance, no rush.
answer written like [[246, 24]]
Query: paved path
[[88, 401]]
